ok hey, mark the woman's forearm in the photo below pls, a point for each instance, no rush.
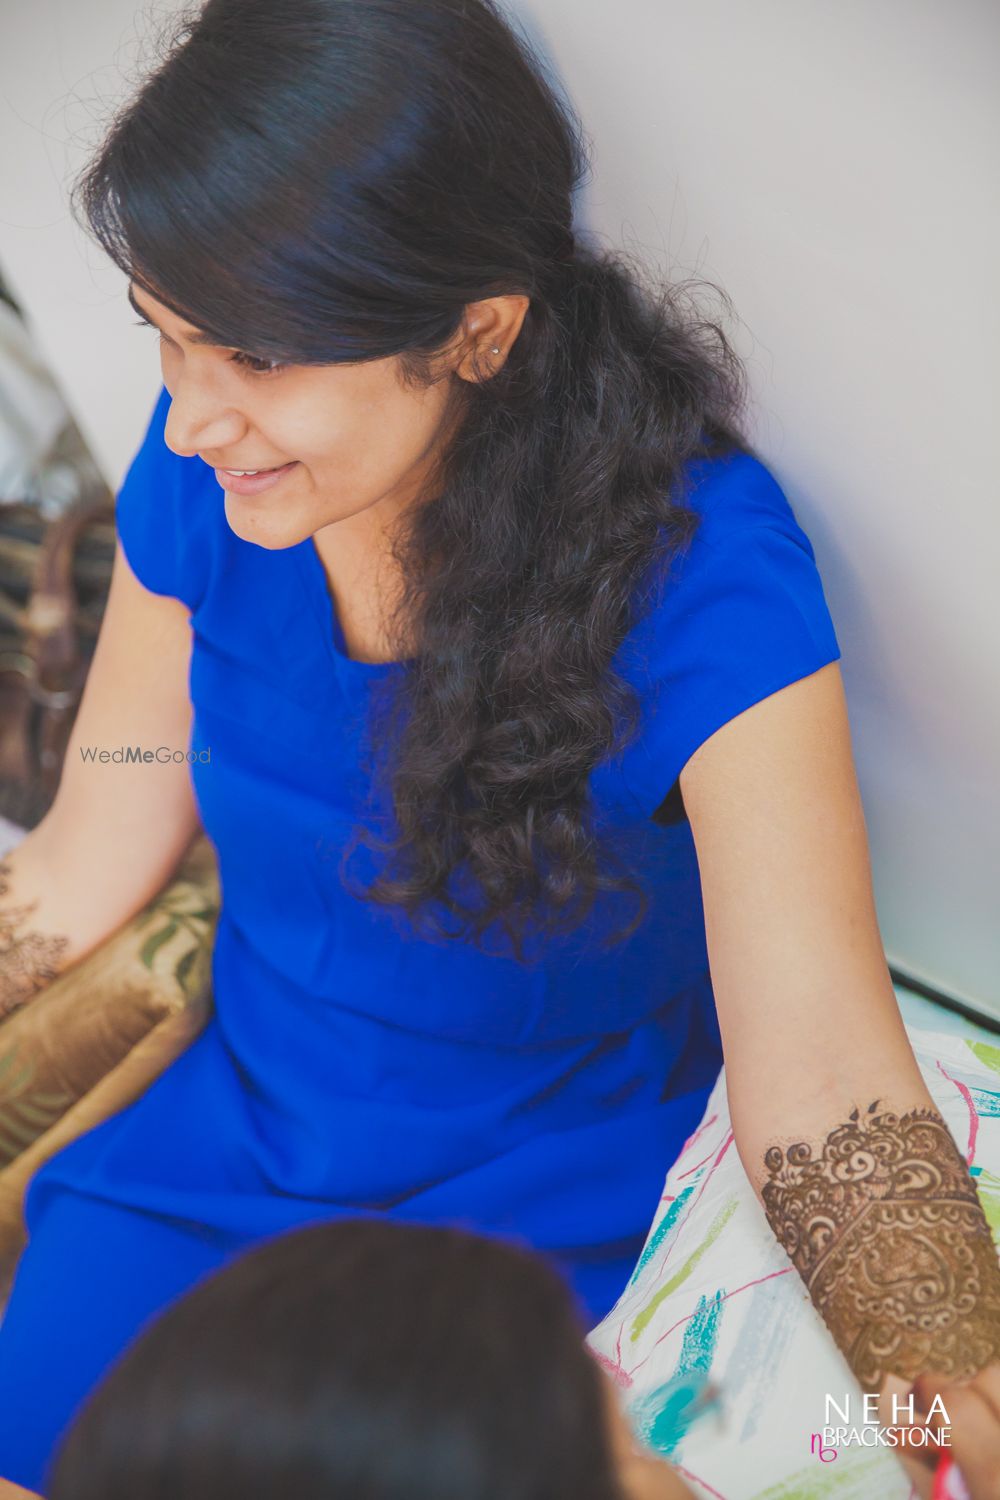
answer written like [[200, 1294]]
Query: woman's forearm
[[881, 1218], [41, 931]]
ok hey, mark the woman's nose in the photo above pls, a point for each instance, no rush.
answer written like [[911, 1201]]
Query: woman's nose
[[198, 423]]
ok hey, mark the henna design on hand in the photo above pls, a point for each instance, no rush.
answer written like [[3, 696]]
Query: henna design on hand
[[28, 960], [888, 1234]]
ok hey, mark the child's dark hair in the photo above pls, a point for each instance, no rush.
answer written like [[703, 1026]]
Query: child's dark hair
[[362, 1359], [319, 181]]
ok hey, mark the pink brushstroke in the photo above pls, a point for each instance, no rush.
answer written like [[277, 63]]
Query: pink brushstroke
[[700, 1131], [688, 1316], [973, 1117], [687, 1473], [618, 1375], [618, 1352], [695, 1167]]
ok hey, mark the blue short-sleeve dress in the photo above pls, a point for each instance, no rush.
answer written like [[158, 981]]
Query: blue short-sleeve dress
[[350, 1066]]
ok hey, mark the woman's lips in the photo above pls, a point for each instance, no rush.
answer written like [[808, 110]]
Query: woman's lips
[[253, 484]]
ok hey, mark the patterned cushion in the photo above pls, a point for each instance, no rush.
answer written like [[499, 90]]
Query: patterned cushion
[[88, 1043]]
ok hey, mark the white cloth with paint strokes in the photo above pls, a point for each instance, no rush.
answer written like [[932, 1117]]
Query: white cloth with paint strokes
[[714, 1298]]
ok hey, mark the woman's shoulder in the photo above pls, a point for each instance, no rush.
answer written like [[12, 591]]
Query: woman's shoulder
[[170, 515], [740, 531], [733, 493], [731, 615]]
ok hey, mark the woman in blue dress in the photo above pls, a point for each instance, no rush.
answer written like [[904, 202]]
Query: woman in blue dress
[[508, 678]]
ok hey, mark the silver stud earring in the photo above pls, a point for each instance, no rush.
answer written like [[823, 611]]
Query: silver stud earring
[[494, 351]]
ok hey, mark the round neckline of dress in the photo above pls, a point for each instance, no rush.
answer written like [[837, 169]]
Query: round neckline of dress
[[326, 612]]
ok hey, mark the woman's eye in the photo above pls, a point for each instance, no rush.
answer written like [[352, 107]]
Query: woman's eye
[[245, 361], [257, 366]]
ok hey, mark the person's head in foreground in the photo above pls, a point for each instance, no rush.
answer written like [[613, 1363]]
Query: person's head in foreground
[[362, 1359]]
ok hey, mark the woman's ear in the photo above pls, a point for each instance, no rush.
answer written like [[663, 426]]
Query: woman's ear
[[489, 329]]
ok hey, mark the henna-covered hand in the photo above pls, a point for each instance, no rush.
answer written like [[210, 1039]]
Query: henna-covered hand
[[888, 1234], [28, 959]]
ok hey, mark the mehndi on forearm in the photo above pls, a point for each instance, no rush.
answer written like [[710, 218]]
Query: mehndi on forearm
[[29, 959], [886, 1230]]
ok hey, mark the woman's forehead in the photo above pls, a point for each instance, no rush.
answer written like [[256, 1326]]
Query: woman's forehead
[[191, 334]]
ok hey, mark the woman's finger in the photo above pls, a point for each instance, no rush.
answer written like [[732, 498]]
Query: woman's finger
[[975, 1439], [987, 1383], [897, 1414]]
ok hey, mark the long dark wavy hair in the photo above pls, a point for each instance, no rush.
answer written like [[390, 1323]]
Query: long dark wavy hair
[[361, 1357], [335, 180]]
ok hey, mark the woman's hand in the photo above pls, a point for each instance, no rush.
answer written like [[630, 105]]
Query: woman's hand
[[642, 1474], [973, 1421]]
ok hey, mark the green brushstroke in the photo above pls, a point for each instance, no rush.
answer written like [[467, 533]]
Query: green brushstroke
[[662, 1230], [988, 1188], [859, 1479], [986, 1054], [719, 1223]]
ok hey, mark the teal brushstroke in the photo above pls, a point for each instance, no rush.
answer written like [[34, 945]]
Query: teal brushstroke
[[986, 1102], [662, 1416], [701, 1335], [662, 1230]]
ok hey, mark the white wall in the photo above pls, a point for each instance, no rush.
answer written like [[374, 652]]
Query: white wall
[[63, 66], [832, 164]]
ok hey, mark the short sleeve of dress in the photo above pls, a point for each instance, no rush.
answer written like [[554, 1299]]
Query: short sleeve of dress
[[738, 615], [155, 513]]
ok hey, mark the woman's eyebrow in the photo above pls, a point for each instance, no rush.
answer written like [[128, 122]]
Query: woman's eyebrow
[[195, 338]]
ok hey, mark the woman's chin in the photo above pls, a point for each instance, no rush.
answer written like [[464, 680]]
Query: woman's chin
[[250, 519]]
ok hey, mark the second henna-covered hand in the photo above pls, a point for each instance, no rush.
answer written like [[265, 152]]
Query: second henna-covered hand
[[883, 1223]]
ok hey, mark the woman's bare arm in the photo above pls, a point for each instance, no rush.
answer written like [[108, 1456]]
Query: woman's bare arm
[[116, 829], [10, 1491], [858, 1176]]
